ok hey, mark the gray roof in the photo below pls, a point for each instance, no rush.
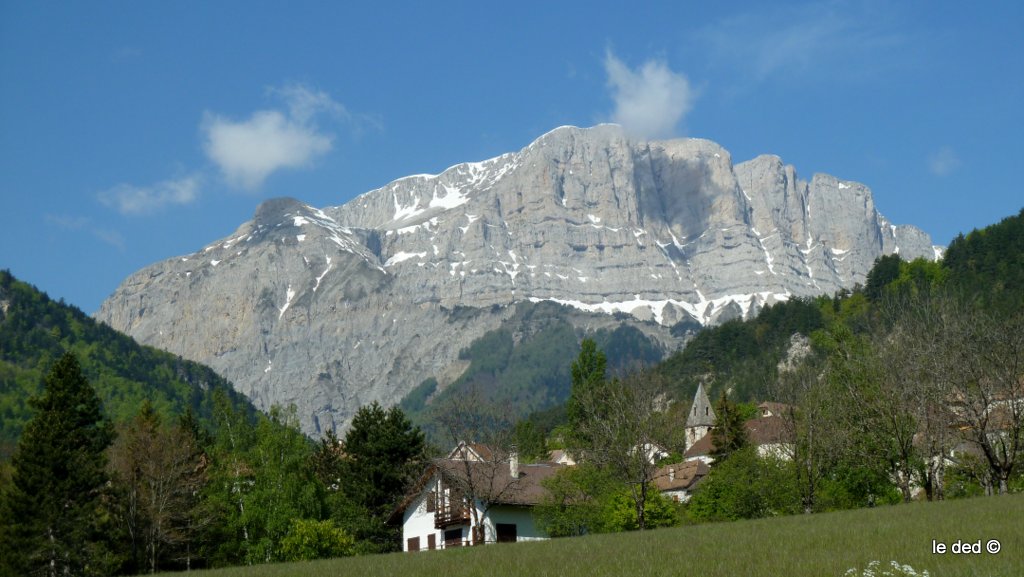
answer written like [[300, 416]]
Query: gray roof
[[701, 414]]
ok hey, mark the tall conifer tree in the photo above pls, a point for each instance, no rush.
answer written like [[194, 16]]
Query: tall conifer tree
[[384, 452], [729, 433], [588, 374], [53, 509]]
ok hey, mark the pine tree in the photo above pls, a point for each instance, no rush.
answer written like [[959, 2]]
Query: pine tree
[[53, 510], [729, 433], [588, 373], [383, 454]]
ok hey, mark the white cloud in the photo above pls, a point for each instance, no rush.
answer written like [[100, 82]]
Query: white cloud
[[943, 162], [248, 151], [651, 101], [132, 200], [304, 104]]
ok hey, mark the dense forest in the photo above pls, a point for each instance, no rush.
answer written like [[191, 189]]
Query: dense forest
[[35, 331], [523, 366]]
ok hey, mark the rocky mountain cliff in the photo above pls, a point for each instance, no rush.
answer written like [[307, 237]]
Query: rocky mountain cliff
[[335, 307]]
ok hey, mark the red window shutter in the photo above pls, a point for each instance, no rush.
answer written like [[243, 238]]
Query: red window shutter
[[432, 541], [413, 544]]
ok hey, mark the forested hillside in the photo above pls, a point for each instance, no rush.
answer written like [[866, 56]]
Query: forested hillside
[[985, 267], [524, 365], [35, 331], [742, 355], [989, 263]]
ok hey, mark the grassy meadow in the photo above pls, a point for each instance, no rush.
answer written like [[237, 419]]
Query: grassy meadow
[[818, 545]]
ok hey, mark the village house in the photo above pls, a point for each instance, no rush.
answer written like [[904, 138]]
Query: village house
[[677, 481], [475, 495], [768, 432], [471, 497], [561, 457]]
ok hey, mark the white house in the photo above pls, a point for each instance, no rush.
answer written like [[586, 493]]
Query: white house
[[561, 457], [471, 500], [677, 481], [770, 433]]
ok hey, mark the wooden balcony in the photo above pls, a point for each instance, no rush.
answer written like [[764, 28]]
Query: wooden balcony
[[451, 514]]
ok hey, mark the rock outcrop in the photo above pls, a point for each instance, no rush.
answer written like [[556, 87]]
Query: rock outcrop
[[336, 307]]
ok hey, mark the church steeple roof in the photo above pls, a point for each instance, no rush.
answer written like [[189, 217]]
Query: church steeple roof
[[701, 415]]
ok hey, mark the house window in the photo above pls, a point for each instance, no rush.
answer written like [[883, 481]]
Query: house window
[[506, 532], [413, 544], [432, 541], [431, 501], [453, 538]]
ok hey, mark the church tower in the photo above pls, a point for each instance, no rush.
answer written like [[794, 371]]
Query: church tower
[[701, 417]]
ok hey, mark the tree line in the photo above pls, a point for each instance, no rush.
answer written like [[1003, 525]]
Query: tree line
[[85, 497], [35, 331]]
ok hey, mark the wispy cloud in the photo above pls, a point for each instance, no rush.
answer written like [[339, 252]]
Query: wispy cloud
[[109, 236], [136, 200], [67, 222], [847, 38], [943, 162], [84, 223], [249, 151], [650, 101]]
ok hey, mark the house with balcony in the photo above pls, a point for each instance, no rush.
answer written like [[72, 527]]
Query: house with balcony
[[472, 497]]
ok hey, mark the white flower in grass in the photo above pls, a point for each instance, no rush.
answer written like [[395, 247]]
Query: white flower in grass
[[895, 569]]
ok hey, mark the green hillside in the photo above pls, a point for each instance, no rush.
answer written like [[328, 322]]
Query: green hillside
[[989, 263], [35, 331], [523, 366], [820, 545], [741, 355]]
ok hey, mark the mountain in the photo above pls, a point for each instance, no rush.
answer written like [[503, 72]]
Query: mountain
[[336, 307], [35, 331]]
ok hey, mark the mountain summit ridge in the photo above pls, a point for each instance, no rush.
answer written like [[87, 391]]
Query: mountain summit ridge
[[335, 307]]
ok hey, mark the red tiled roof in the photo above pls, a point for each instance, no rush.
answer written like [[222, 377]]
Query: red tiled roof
[[760, 431], [702, 447], [495, 479], [767, 430], [678, 476], [776, 409]]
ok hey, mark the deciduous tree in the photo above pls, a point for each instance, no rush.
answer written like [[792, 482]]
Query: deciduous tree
[[159, 470], [620, 423]]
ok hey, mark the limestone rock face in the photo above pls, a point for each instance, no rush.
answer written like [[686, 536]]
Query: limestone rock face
[[337, 307]]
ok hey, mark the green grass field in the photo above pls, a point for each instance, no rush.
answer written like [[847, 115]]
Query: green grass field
[[813, 546]]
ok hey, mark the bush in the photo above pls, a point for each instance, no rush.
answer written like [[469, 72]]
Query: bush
[[745, 486], [310, 539]]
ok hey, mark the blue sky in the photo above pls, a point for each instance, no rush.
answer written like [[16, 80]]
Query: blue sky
[[131, 132]]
